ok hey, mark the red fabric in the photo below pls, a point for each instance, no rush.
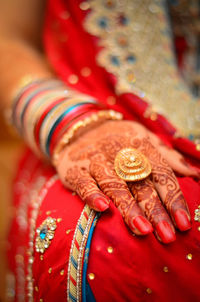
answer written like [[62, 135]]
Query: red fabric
[[136, 263]]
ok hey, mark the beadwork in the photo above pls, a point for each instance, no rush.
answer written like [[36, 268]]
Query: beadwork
[[124, 40], [197, 214], [45, 234]]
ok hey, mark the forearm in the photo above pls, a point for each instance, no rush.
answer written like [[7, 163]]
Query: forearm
[[19, 60]]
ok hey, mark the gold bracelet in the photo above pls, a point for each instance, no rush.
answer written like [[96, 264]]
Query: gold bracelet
[[81, 126]]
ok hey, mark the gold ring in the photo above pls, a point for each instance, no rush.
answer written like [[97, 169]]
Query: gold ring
[[132, 165]]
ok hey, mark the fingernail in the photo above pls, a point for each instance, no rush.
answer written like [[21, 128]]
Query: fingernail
[[182, 220], [143, 225], [165, 232], [101, 204]]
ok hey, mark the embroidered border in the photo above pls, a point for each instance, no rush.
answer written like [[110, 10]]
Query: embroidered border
[[36, 203], [136, 47], [74, 282]]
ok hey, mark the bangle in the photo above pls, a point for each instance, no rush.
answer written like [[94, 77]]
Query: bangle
[[63, 122], [50, 116], [55, 115], [82, 126], [58, 134]]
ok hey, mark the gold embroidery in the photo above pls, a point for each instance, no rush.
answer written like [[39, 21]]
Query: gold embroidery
[[45, 234], [136, 48], [197, 214]]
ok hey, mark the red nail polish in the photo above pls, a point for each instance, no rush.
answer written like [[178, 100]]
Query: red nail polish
[[165, 232], [101, 205], [182, 220], [142, 224]]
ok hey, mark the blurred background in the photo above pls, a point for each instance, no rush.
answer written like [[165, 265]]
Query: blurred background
[[185, 19]]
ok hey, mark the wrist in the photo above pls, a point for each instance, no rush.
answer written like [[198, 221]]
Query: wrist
[[94, 119], [49, 115]]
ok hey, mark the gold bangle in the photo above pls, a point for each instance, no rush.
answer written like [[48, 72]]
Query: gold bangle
[[81, 126]]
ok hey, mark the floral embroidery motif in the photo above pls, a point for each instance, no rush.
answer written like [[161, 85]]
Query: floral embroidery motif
[[136, 47], [45, 234], [197, 214]]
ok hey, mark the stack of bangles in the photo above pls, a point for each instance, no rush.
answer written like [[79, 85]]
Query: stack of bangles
[[49, 115]]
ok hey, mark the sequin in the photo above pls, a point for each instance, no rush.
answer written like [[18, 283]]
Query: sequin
[[198, 147], [59, 219], [41, 257], [73, 79], [165, 269], [48, 213], [110, 249], [130, 77], [45, 234], [50, 270], [149, 291], [91, 276], [36, 289], [197, 214], [153, 116], [198, 228], [189, 256], [109, 4], [62, 272], [86, 72], [114, 60], [123, 20], [68, 231], [103, 22], [84, 5], [130, 59], [64, 15], [111, 100]]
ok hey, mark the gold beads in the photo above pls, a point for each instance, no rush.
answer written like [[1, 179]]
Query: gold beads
[[110, 249], [73, 79], [149, 291], [111, 100], [84, 5], [86, 72], [189, 256], [91, 276]]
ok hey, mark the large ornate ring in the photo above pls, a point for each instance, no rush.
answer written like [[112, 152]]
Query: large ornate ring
[[132, 165]]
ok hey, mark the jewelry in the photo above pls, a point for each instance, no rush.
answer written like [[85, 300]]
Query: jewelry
[[81, 126], [132, 165]]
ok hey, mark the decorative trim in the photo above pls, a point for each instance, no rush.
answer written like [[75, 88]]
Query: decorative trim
[[76, 258], [45, 234], [36, 203], [136, 47]]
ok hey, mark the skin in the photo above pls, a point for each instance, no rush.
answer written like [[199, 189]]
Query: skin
[[86, 165]]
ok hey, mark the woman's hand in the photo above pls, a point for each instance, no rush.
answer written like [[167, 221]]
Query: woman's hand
[[86, 166]]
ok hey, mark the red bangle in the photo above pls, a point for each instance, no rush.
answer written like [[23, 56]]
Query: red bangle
[[57, 136]]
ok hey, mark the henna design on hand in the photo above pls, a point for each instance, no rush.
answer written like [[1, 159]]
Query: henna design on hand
[[87, 166]]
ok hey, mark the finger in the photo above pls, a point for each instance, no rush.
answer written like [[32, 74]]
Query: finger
[[117, 190], [148, 200], [176, 161], [85, 186], [170, 193]]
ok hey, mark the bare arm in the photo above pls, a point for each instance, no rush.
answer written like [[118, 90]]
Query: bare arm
[[20, 45]]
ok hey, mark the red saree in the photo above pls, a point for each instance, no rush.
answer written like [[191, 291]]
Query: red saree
[[117, 266]]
